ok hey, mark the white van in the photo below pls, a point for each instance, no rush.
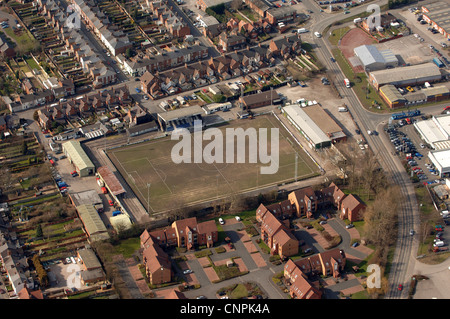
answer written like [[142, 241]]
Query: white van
[[438, 244], [302, 30], [342, 109]]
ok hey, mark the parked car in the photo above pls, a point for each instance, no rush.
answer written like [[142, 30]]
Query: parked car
[[111, 203], [238, 218], [187, 271], [221, 221], [349, 226]]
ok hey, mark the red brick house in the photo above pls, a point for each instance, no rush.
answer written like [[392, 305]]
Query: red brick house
[[385, 21], [305, 201], [190, 233], [277, 236], [187, 233], [230, 42], [157, 263], [297, 281], [352, 208], [333, 262]]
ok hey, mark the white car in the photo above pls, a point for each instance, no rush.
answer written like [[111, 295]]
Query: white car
[[238, 218], [187, 271], [221, 221]]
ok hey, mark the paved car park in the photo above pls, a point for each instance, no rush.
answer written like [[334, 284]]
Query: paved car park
[[408, 144]]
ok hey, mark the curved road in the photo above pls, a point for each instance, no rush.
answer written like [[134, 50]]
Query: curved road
[[404, 260]]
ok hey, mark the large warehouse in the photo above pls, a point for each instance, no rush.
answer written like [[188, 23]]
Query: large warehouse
[[310, 130], [78, 157], [373, 59], [325, 122], [438, 15], [435, 132], [404, 76], [441, 160]]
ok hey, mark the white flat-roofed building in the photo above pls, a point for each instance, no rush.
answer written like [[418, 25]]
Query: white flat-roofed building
[[435, 131], [441, 160]]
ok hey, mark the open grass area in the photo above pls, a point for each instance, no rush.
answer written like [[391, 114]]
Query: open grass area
[[25, 41], [174, 185], [337, 34], [128, 247]]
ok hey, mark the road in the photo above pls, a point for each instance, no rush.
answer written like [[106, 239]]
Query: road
[[408, 215]]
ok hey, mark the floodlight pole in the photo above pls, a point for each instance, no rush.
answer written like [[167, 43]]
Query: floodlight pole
[[148, 198]]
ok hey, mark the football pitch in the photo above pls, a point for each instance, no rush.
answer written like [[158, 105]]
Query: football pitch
[[161, 184]]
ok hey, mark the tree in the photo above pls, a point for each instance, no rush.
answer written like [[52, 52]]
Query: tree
[[128, 53], [219, 98], [39, 232], [236, 4], [36, 116], [24, 148]]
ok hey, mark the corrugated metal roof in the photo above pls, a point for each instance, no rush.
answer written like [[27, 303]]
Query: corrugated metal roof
[[306, 124], [369, 54], [91, 220], [111, 181], [391, 93], [77, 154], [418, 72]]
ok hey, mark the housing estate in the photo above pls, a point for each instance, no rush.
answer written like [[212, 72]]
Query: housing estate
[[297, 273], [306, 202]]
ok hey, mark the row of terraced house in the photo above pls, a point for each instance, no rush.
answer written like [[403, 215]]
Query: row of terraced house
[[222, 68], [84, 106], [77, 44]]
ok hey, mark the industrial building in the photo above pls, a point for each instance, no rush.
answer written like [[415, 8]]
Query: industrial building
[[441, 160], [405, 76], [435, 132], [438, 15], [89, 197], [78, 157], [391, 95], [265, 98], [180, 118], [325, 123], [309, 129], [373, 59], [93, 224]]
